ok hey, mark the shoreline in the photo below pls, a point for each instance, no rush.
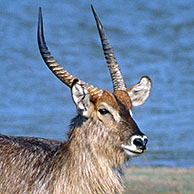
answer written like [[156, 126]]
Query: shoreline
[[153, 180]]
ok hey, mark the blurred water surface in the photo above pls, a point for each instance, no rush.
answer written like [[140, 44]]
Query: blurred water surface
[[154, 38]]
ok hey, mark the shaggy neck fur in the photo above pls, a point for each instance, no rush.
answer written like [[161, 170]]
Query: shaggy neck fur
[[88, 169]]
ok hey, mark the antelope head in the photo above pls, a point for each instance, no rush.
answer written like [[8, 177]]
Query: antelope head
[[106, 117]]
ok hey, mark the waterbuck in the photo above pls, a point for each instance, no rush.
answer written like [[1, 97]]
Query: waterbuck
[[102, 137]]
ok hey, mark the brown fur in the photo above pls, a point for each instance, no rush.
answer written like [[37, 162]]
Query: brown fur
[[86, 163]]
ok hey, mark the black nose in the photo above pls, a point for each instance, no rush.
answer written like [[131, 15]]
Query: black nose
[[140, 143]]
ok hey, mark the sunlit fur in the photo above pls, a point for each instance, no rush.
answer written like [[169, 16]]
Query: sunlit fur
[[86, 163]]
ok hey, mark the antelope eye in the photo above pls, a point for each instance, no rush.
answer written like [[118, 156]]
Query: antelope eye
[[103, 111]]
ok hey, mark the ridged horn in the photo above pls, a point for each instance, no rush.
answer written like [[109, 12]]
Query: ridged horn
[[116, 75], [52, 64]]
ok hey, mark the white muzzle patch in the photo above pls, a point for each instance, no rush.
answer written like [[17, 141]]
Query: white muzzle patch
[[135, 150]]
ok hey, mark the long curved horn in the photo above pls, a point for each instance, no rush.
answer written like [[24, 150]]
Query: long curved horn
[[52, 64], [116, 75]]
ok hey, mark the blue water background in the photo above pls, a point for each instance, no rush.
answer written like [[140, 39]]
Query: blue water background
[[154, 38]]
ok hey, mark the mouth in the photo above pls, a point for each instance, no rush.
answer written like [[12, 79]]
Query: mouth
[[132, 150]]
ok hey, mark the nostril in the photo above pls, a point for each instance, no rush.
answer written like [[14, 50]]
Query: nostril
[[145, 141], [138, 142]]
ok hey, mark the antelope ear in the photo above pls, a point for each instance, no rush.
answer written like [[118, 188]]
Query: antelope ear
[[81, 97], [140, 91]]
